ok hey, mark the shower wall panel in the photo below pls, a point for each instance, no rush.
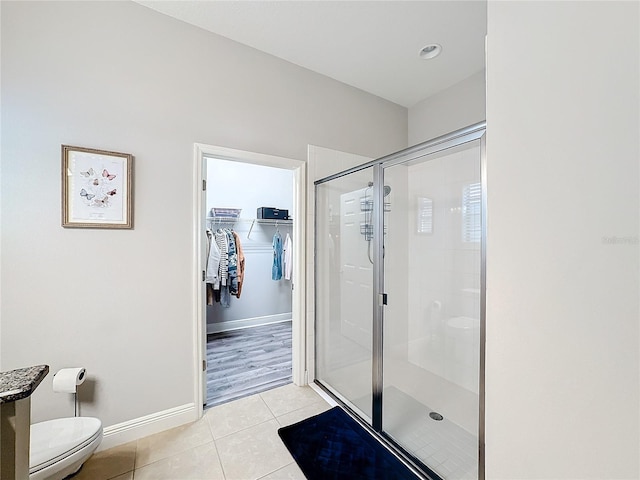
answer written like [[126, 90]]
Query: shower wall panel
[[444, 286]]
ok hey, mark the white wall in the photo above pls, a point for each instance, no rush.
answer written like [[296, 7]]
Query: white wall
[[456, 107], [247, 186], [118, 76], [562, 367]]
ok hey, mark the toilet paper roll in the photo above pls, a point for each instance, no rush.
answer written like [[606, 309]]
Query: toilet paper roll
[[67, 380]]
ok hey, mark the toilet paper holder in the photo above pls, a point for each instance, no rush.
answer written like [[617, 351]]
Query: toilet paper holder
[[66, 380]]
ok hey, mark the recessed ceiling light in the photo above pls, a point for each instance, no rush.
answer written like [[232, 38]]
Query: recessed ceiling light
[[430, 51]]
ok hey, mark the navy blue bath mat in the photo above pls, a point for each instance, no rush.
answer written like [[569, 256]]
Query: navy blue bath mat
[[333, 446]]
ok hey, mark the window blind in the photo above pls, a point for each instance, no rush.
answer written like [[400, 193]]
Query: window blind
[[471, 209]]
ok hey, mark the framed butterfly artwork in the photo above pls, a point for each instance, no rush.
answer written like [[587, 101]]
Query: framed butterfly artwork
[[97, 188]]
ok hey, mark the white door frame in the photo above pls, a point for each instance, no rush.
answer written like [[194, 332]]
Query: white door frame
[[298, 309]]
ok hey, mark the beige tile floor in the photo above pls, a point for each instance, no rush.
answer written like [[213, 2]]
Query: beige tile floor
[[234, 441]]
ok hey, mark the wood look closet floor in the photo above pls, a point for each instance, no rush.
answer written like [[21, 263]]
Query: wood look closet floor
[[247, 361]]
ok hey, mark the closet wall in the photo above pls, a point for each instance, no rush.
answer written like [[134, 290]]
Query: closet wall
[[247, 186]]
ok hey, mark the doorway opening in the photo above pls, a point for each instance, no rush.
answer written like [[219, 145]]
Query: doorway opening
[[254, 332], [249, 210]]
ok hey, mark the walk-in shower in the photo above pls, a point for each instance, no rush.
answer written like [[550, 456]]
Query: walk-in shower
[[400, 299]]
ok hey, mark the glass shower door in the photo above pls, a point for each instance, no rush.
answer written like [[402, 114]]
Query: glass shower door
[[344, 288], [431, 321]]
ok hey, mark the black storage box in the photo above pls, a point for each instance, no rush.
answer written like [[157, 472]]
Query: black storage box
[[270, 213]]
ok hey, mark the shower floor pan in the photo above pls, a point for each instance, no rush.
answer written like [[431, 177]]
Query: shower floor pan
[[446, 448]]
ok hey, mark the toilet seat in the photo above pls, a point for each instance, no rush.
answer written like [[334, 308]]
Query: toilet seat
[[59, 447]]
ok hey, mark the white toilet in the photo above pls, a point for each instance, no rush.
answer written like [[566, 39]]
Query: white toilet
[[59, 447]]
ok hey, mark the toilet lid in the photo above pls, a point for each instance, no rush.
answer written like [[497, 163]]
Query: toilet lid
[[55, 439]]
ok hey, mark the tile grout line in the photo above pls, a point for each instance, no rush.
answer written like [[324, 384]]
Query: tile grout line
[[277, 469], [267, 405], [244, 429], [224, 473], [135, 466], [215, 444]]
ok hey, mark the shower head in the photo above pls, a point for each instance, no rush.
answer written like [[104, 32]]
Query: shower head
[[387, 188]]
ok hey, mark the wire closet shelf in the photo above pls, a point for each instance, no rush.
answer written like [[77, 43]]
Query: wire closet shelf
[[213, 221]]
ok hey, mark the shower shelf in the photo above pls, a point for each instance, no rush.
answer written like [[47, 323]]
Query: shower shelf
[[366, 205]]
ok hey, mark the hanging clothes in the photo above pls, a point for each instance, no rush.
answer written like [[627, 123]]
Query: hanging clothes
[[213, 262], [276, 269], [223, 244], [213, 265], [241, 261], [287, 257], [233, 263]]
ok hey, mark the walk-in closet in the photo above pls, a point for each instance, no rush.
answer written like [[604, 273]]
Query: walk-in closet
[[249, 279]]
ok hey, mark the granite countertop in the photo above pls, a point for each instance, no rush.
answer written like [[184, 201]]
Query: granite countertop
[[20, 383]]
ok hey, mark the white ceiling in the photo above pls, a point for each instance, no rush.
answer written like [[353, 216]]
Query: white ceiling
[[371, 45]]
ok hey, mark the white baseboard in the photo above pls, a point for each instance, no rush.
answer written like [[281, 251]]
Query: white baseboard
[[131, 430], [247, 322]]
